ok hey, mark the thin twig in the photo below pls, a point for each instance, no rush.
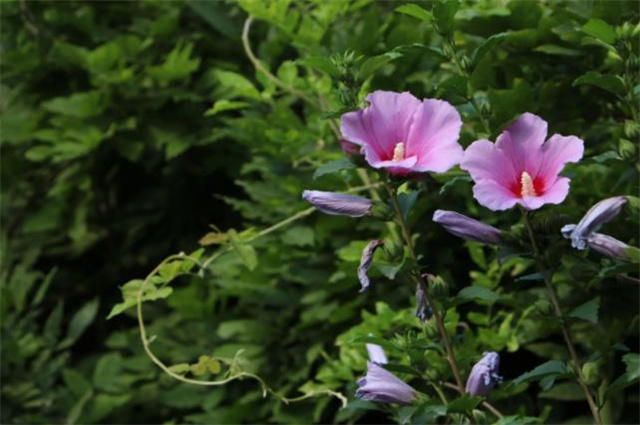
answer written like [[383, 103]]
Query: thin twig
[[485, 403], [565, 330], [260, 67], [420, 281]]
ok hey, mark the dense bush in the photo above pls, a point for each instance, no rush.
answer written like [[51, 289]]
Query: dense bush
[[135, 130]]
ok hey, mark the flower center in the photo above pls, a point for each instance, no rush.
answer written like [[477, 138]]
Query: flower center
[[398, 152], [526, 185]]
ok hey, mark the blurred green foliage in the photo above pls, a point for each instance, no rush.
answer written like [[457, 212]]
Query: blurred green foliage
[[129, 128]]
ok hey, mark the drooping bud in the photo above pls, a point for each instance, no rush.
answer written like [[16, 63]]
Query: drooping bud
[[602, 212], [466, 227], [484, 375], [350, 148], [612, 247], [338, 203], [382, 386], [423, 309], [366, 261], [377, 354]]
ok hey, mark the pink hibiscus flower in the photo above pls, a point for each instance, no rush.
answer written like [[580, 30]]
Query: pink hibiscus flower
[[402, 134], [521, 168]]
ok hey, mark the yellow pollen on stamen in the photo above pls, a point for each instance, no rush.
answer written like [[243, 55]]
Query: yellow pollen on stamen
[[526, 183], [398, 152]]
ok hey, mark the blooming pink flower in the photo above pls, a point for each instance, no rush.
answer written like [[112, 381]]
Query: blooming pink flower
[[402, 134], [521, 168]]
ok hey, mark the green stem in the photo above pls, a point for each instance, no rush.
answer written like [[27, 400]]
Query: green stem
[[575, 360], [420, 281], [463, 71]]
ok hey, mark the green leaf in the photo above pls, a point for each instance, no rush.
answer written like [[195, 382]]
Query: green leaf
[[488, 45], [80, 322], [322, 64], [372, 64], [610, 83], [407, 200], [587, 311], [478, 293], [415, 11], [333, 167], [236, 85], [601, 30], [444, 12], [298, 236], [178, 65], [551, 368], [632, 360], [554, 49], [215, 14], [77, 383], [463, 404], [79, 105], [245, 251], [630, 377], [225, 105], [180, 368], [567, 391]]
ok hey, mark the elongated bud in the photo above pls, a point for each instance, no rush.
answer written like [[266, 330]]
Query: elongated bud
[[338, 203], [350, 148], [423, 309], [366, 261], [466, 227], [484, 375], [377, 354], [602, 212], [384, 387], [612, 247]]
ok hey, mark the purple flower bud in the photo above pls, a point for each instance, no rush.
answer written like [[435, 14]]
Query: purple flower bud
[[600, 213], [484, 375], [612, 247], [376, 354], [350, 148], [466, 227], [383, 386], [338, 203], [423, 309], [365, 262]]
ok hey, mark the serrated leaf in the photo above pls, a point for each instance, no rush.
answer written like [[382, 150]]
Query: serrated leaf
[[550, 368], [488, 45], [444, 12], [225, 105], [213, 238], [333, 167], [415, 11], [478, 293], [601, 30], [463, 404], [610, 83], [374, 63], [587, 311], [322, 64]]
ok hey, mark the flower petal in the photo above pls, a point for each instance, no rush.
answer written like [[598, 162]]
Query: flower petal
[[433, 136], [383, 124], [556, 152], [521, 142], [493, 195], [485, 162]]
